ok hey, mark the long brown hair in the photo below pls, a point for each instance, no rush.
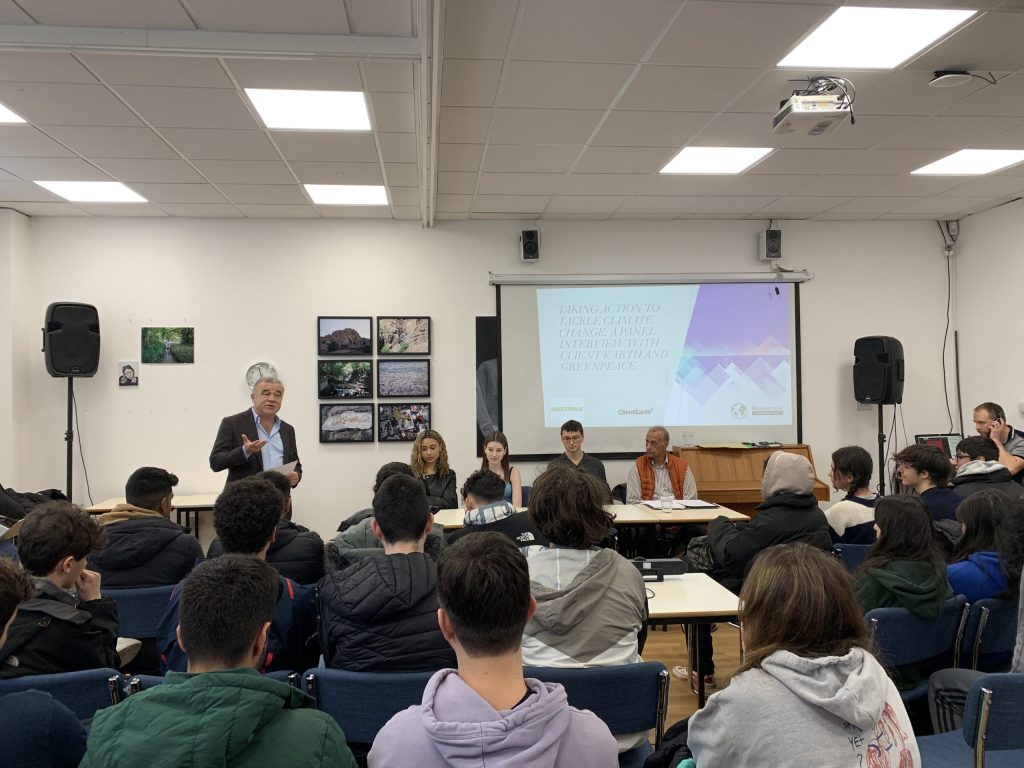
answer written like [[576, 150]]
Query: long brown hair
[[497, 437], [797, 598], [566, 505], [907, 533], [416, 460]]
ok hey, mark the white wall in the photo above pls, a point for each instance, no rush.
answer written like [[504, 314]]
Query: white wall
[[253, 290]]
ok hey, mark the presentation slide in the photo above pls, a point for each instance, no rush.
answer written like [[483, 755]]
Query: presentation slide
[[714, 360]]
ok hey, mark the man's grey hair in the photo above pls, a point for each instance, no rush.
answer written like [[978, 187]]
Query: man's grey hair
[[663, 431], [267, 380]]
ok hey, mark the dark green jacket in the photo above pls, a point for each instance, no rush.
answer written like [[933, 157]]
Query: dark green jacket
[[229, 719], [916, 585]]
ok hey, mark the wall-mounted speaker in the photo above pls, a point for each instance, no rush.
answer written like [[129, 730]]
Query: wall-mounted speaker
[[71, 339], [770, 245], [878, 370], [529, 242]]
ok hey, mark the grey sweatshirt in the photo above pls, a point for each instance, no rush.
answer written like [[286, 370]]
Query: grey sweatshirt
[[831, 712], [454, 726]]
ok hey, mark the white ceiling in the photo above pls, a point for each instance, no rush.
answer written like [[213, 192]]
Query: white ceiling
[[546, 109]]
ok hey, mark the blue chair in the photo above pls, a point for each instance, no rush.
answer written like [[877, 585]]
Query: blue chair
[[903, 638], [144, 682], [989, 636], [851, 555], [139, 610], [526, 495], [629, 698], [992, 724], [83, 692], [363, 702]]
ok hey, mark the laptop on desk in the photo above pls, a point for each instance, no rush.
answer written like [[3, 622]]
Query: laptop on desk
[[946, 443]]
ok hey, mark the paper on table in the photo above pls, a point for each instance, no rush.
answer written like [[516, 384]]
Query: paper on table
[[680, 504], [286, 469]]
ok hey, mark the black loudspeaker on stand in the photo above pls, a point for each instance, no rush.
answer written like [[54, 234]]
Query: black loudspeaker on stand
[[878, 376], [71, 347]]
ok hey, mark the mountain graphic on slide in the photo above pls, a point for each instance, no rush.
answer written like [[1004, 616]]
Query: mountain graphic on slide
[[701, 378], [767, 346]]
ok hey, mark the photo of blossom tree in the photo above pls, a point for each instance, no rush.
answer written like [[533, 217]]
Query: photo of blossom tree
[[168, 345]]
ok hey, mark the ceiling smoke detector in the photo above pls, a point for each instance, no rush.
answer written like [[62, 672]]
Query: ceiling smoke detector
[[950, 78]]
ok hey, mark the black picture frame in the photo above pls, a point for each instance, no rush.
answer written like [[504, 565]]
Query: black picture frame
[[403, 335], [392, 430], [403, 378], [327, 325], [357, 383], [356, 433]]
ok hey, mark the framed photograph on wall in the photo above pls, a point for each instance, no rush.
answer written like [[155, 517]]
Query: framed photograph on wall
[[344, 379], [342, 336], [346, 423], [403, 378], [403, 335], [401, 421]]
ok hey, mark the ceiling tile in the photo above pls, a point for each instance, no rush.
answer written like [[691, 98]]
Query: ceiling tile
[[279, 211], [1006, 98], [402, 196], [394, 112], [152, 14], [469, 82], [550, 85], [625, 159], [877, 185], [164, 171], [65, 104], [30, 67], [450, 216], [321, 17], [243, 171], [220, 144], [509, 203], [943, 206], [542, 126], [190, 71], [795, 207], [988, 42], [120, 210], [402, 174], [873, 205], [356, 211], [381, 17], [671, 205], [649, 129], [46, 209], [179, 193], [406, 211], [52, 169], [688, 89], [453, 203], [453, 183], [271, 194], [762, 184], [200, 211], [326, 145], [170, 107], [949, 132], [339, 173], [584, 204], [591, 30], [464, 125], [388, 76], [460, 157], [478, 29], [906, 92], [309, 75], [26, 141], [998, 185], [531, 158], [397, 147], [91, 141], [736, 34], [601, 184], [732, 204], [685, 185], [840, 161], [560, 216], [518, 183], [12, 14], [754, 130], [26, 191]]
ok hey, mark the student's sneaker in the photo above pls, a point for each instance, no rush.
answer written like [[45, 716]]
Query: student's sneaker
[[683, 673]]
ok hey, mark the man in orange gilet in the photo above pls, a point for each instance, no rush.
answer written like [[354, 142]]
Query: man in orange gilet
[[657, 472]]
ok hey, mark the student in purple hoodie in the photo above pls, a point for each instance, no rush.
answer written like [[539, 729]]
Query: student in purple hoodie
[[486, 712]]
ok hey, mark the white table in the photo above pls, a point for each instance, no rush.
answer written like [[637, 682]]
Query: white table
[[189, 504], [625, 514]]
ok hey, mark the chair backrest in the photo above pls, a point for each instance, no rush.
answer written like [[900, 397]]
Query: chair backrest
[[989, 635], [903, 638], [526, 495], [362, 702], [145, 682], [992, 717], [139, 610], [603, 690], [851, 555], [83, 692]]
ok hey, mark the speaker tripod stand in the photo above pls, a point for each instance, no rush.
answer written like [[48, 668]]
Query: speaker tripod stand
[[881, 452], [69, 435]]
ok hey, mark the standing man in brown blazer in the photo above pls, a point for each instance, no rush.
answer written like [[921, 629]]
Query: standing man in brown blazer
[[257, 439]]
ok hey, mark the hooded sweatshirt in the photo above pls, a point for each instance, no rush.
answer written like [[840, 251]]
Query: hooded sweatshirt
[[830, 712], [979, 475], [977, 577], [454, 726], [918, 585], [229, 719]]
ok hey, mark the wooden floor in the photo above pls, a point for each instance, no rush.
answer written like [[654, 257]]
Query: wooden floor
[[670, 649]]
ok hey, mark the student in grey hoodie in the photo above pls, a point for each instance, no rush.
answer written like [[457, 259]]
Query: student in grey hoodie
[[809, 691], [485, 712]]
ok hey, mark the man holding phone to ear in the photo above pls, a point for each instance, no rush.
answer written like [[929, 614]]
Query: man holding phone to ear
[[990, 421]]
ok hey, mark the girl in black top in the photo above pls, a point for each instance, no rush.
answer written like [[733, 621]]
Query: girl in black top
[[429, 462]]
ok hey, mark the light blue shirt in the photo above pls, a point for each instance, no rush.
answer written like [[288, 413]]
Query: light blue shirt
[[273, 452]]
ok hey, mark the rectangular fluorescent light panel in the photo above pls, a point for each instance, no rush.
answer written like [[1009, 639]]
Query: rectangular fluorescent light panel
[[347, 194], [972, 162], [715, 160], [311, 110], [93, 191], [7, 116], [873, 38]]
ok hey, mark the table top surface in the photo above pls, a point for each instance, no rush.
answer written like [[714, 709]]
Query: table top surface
[[185, 501], [690, 595], [625, 514]]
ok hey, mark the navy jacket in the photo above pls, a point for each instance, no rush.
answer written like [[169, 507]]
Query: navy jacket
[[39, 732], [146, 551], [297, 553]]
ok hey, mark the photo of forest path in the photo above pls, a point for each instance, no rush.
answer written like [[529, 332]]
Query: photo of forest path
[[348, 379], [168, 345]]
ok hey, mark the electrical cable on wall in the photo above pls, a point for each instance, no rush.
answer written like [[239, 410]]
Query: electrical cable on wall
[[950, 231]]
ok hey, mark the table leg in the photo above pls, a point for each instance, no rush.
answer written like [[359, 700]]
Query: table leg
[[696, 665]]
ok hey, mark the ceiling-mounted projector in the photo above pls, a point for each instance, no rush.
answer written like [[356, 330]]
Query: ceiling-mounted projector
[[811, 114]]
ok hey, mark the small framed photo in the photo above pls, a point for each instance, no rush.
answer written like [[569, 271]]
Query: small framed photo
[[344, 379], [129, 373], [403, 378], [401, 421], [403, 335], [346, 423], [344, 336]]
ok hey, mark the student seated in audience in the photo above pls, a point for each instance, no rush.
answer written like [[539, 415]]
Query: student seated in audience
[[496, 460], [57, 631], [852, 520], [429, 462], [296, 552], [809, 692], [987, 561], [37, 731], [591, 602], [788, 513], [380, 613], [926, 470], [386, 471], [245, 516], [978, 469], [488, 510], [144, 548], [990, 421], [572, 441], [222, 712], [485, 712]]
